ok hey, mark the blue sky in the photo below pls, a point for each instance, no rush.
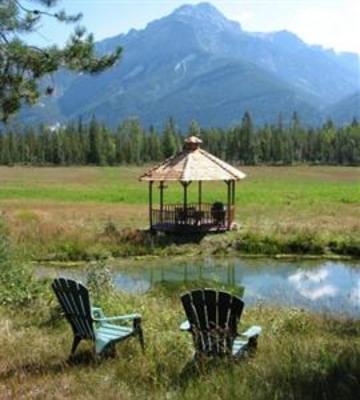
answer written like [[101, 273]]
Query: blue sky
[[330, 23]]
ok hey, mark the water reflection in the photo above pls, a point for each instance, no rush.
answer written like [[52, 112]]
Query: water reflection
[[193, 272], [314, 284], [354, 296], [332, 287]]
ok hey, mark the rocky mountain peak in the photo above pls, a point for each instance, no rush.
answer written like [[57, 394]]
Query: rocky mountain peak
[[204, 13]]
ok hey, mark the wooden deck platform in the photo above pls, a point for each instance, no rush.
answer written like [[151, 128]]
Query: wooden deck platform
[[195, 217]]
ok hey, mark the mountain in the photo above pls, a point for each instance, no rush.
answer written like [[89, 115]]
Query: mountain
[[197, 64], [344, 111]]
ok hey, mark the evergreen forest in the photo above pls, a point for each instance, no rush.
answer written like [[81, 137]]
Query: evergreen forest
[[93, 143]]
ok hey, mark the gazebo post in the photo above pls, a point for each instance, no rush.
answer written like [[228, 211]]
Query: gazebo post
[[200, 194], [161, 187], [185, 186], [229, 186], [233, 201], [233, 194], [150, 204]]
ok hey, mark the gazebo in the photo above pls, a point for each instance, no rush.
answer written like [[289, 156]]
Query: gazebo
[[192, 164]]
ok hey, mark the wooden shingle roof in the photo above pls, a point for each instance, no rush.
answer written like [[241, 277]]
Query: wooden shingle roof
[[193, 164]]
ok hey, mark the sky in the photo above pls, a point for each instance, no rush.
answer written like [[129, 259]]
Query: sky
[[330, 23]]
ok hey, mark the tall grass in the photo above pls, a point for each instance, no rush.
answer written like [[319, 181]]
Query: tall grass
[[51, 242], [300, 356]]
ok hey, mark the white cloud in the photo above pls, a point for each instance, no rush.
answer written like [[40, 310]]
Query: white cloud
[[310, 284], [310, 276], [355, 294]]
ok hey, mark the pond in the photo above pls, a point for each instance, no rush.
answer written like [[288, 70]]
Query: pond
[[324, 286]]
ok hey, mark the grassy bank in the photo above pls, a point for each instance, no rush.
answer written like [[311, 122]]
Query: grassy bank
[[82, 213], [300, 356]]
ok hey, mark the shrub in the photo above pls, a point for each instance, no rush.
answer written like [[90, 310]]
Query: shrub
[[99, 279], [305, 243], [256, 244], [4, 243], [17, 284], [348, 246]]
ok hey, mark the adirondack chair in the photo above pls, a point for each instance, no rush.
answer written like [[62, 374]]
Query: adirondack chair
[[90, 323], [213, 317]]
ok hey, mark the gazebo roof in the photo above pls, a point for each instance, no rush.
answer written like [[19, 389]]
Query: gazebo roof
[[193, 164]]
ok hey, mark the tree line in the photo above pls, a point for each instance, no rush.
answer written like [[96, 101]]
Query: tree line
[[93, 143]]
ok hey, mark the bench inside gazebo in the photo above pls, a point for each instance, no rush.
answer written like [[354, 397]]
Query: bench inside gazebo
[[191, 165]]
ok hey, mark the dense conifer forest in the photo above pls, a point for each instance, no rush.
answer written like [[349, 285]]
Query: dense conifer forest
[[77, 143]]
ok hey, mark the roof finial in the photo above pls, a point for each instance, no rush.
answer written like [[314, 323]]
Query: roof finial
[[192, 143]]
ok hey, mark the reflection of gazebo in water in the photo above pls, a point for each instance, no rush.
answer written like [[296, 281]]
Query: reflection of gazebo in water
[[191, 165]]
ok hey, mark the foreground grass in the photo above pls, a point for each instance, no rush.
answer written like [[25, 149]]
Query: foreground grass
[[65, 212], [300, 356]]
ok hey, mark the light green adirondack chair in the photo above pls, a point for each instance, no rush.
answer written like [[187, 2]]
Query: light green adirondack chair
[[90, 323]]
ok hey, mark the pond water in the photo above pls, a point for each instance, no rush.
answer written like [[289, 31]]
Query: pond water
[[324, 286]]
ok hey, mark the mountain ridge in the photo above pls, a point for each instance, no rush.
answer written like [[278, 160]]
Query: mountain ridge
[[176, 59]]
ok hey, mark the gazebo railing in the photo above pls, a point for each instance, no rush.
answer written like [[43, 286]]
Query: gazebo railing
[[194, 214]]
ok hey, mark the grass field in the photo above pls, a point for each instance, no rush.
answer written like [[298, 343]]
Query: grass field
[[44, 203]]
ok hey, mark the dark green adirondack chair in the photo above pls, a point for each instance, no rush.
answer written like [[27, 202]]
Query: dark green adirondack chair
[[213, 318], [90, 323]]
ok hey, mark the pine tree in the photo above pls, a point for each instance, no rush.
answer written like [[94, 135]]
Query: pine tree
[[94, 156], [23, 65], [246, 139], [169, 146], [154, 145], [194, 129]]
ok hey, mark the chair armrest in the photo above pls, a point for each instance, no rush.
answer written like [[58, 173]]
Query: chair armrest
[[97, 312], [185, 326], [119, 318], [252, 332]]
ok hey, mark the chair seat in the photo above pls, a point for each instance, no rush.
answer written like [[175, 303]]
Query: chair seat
[[239, 346], [112, 332]]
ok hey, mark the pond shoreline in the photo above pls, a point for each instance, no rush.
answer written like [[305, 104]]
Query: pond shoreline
[[151, 257], [118, 243]]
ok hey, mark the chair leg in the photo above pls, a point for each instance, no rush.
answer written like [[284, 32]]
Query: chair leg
[[252, 345], [139, 332], [141, 339], [112, 351], [75, 344], [109, 351], [253, 342]]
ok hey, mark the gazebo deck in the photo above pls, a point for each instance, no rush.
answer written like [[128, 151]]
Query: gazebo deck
[[194, 218]]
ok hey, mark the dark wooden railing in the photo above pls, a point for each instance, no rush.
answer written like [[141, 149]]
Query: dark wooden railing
[[203, 215]]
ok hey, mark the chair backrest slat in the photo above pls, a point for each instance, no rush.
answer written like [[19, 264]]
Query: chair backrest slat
[[213, 317], [74, 300]]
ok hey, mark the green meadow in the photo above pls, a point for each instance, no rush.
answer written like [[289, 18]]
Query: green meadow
[[63, 211], [297, 187]]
